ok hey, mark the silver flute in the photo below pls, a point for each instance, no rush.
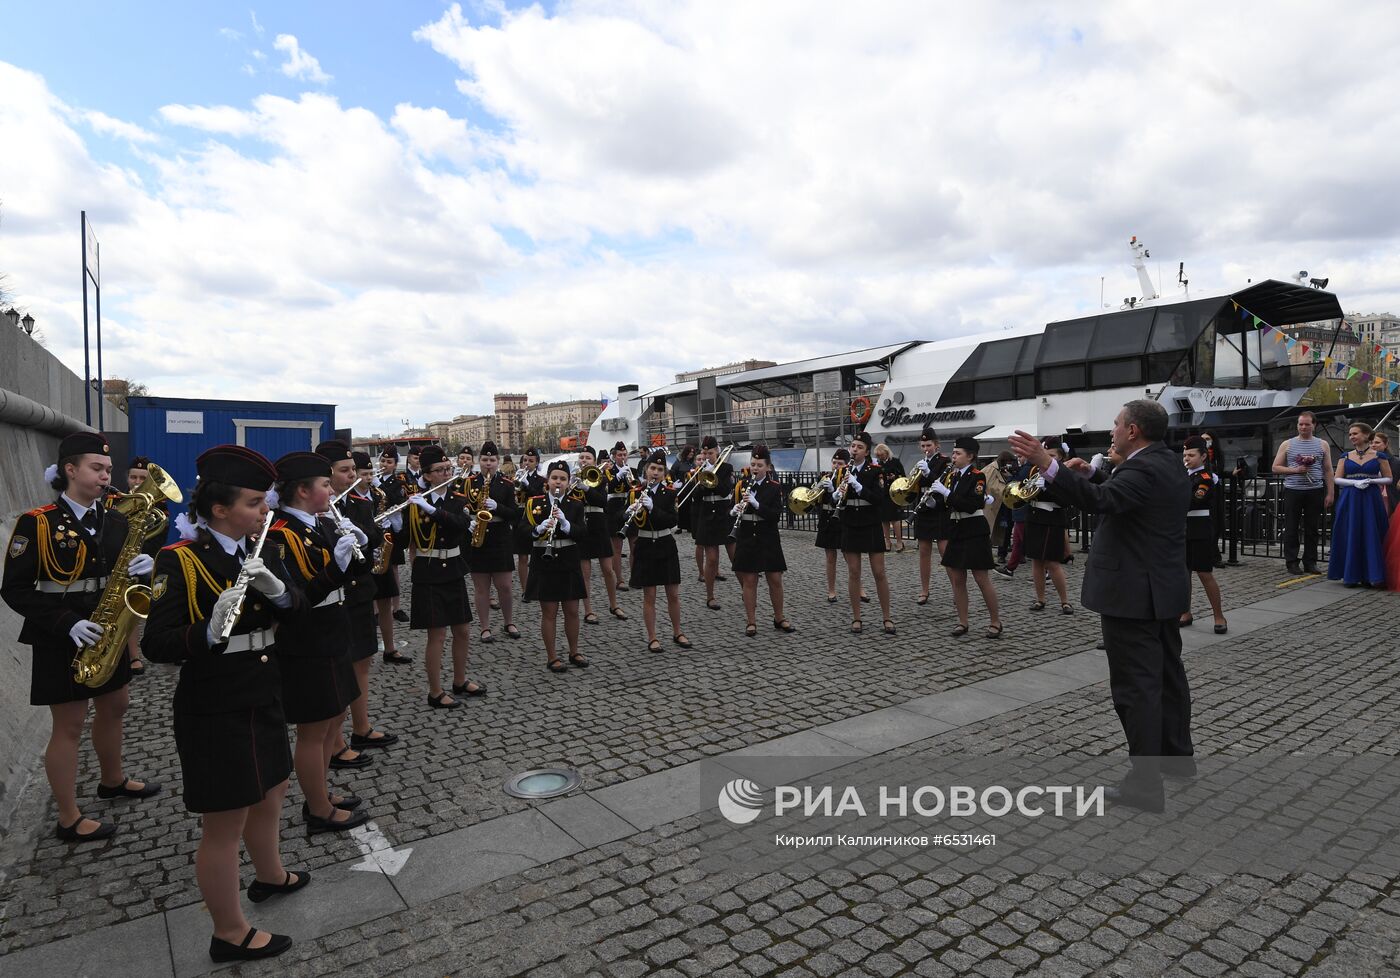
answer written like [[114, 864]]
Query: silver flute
[[240, 585], [343, 525]]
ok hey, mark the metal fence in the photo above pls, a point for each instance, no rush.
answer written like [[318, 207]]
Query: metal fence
[[1250, 521]]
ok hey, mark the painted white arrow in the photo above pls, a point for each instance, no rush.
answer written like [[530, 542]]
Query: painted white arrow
[[380, 856]]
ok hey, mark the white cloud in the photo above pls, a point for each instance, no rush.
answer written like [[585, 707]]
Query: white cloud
[[299, 64], [257, 28], [229, 34], [102, 123], [663, 187]]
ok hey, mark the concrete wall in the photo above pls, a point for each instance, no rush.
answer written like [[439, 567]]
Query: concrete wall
[[41, 400]]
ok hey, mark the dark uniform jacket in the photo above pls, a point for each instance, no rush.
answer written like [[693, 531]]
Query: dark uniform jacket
[[307, 552], [770, 509], [506, 514], [863, 508], [968, 494], [448, 527], [359, 582]]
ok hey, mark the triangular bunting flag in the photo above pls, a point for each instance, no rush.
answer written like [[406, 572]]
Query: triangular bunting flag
[[1394, 387], [1352, 372], [1258, 322], [1378, 348], [1279, 336], [1378, 382], [1292, 343], [1244, 313], [1234, 303], [1305, 349]]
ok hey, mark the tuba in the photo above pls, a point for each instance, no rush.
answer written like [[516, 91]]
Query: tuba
[[123, 603]]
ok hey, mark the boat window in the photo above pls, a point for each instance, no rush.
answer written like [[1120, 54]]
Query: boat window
[[1059, 379], [1169, 368], [1025, 363], [1124, 372], [1229, 360], [1066, 342], [1178, 326], [956, 393], [994, 389], [1121, 334], [1025, 385], [999, 357]]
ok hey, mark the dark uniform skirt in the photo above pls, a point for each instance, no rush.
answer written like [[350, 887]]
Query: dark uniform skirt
[[760, 551], [930, 524], [316, 688], [828, 531], [1200, 556], [556, 578], [598, 544], [363, 628], [969, 547], [386, 585], [439, 605], [655, 562], [231, 760], [863, 539], [711, 522], [1044, 540], [494, 556], [51, 675]]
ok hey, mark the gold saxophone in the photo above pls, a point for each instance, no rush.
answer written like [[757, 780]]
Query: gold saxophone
[[122, 603], [386, 549], [477, 501]]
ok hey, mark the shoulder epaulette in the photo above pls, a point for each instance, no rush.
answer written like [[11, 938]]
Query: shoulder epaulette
[[278, 525], [177, 545], [42, 509]]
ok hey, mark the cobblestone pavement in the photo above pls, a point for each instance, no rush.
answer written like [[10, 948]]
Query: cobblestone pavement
[[642, 905]]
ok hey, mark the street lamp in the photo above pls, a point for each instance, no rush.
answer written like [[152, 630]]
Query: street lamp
[[28, 323], [12, 315]]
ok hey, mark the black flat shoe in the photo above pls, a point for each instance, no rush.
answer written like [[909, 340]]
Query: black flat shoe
[[466, 689], [397, 658], [70, 833], [654, 645], [556, 665], [993, 631], [369, 740], [831, 599], [750, 630], [921, 599], [1066, 609], [124, 790], [784, 626], [315, 823], [487, 637], [959, 631], [1185, 622], [578, 661], [440, 702], [1037, 606], [865, 599], [889, 626], [512, 632], [138, 668], [339, 763], [401, 615], [721, 577], [712, 604], [618, 613], [224, 951], [495, 605], [1222, 629], [590, 619], [682, 641], [258, 891]]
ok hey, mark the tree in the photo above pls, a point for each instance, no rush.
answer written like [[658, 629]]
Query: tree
[[1332, 387], [118, 389]]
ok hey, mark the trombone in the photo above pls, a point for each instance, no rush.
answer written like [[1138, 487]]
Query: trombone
[[706, 475]]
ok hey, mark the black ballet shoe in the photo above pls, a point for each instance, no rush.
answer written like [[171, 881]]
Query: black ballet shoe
[[831, 599], [993, 631], [865, 599], [315, 823], [750, 630], [70, 833], [590, 619], [556, 665], [1185, 622], [220, 950], [857, 626], [124, 790], [712, 604], [1222, 628], [495, 605], [138, 668], [466, 689], [1066, 609], [512, 632], [339, 763], [397, 658], [440, 702], [654, 645], [618, 613], [579, 661], [784, 626], [360, 742], [889, 626], [921, 599], [486, 636], [682, 641], [959, 631], [258, 891], [1037, 606], [401, 615]]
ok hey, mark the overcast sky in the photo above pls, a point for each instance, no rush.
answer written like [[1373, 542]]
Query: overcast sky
[[402, 208]]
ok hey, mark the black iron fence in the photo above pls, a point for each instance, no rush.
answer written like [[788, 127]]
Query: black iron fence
[[1249, 521]]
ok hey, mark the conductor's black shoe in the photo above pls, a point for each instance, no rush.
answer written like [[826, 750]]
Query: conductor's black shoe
[[340, 763], [1178, 767], [124, 790], [70, 833], [224, 951], [259, 891], [1118, 796], [1294, 567], [401, 615], [1311, 569]]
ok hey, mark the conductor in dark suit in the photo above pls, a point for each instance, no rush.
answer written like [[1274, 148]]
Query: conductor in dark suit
[[1137, 580]]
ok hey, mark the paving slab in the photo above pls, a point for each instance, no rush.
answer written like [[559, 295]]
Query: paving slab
[[134, 947], [655, 799], [790, 758], [882, 730], [964, 705], [1030, 685], [588, 821]]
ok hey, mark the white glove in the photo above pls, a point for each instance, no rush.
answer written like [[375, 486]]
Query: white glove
[[222, 608], [1098, 461], [396, 522], [140, 565], [752, 500], [827, 484], [735, 510], [989, 499], [422, 503], [267, 582], [941, 489], [1040, 482], [85, 633], [923, 466], [343, 555], [851, 483], [563, 526], [491, 504], [360, 537], [648, 503], [471, 527], [930, 502], [1361, 483]]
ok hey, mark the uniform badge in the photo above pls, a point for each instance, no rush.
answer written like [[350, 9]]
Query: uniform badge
[[159, 585], [18, 545], [281, 551]]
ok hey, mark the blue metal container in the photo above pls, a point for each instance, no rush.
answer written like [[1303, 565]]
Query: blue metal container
[[173, 431]]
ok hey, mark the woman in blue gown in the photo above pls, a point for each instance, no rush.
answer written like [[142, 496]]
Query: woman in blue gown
[[1359, 522]]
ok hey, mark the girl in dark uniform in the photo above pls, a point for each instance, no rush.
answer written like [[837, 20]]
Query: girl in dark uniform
[[386, 585], [859, 499], [930, 515], [58, 559], [531, 484], [680, 472], [135, 475], [1200, 527], [828, 523], [711, 522], [969, 537], [758, 548], [655, 560], [230, 730], [557, 526], [596, 544], [892, 468], [620, 481], [318, 680], [1046, 524], [491, 563], [439, 527]]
